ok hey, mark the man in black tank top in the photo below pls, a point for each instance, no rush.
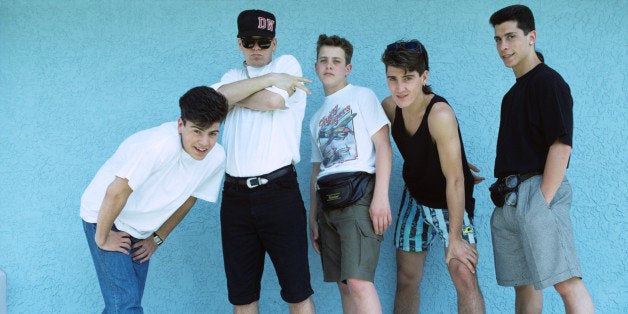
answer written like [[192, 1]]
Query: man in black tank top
[[438, 180], [533, 149]]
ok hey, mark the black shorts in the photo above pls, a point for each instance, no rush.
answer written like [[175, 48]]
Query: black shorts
[[268, 218]]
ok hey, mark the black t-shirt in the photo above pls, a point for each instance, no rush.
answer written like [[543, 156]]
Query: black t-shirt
[[535, 112], [422, 171]]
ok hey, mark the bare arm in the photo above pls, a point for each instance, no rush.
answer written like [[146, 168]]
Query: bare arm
[[555, 167], [444, 129], [389, 108], [117, 194], [316, 169], [380, 205], [145, 248], [251, 93]]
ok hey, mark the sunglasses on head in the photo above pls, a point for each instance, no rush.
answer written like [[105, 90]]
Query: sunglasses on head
[[414, 45], [262, 42]]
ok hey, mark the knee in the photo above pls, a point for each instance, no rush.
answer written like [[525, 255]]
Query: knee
[[568, 287], [408, 277], [358, 286], [462, 276]]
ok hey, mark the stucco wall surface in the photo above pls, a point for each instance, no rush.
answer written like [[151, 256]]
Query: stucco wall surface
[[78, 77]]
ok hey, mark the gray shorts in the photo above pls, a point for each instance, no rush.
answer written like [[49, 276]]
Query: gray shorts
[[349, 245], [533, 241]]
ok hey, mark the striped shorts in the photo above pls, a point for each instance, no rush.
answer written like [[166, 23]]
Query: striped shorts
[[417, 225]]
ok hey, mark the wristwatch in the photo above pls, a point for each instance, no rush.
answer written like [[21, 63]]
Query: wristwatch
[[158, 240]]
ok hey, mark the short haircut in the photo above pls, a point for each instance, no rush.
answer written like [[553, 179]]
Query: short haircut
[[335, 41], [520, 14], [203, 106], [409, 56], [517, 13]]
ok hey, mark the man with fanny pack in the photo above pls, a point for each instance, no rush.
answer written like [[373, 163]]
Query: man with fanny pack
[[349, 206], [531, 228]]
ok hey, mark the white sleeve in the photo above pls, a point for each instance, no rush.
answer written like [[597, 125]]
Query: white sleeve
[[316, 153], [372, 112], [209, 188], [231, 76]]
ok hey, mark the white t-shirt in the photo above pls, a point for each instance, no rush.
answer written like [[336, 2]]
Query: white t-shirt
[[258, 142], [342, 129], [162, 176]]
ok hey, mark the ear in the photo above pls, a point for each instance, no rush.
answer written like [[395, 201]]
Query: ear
[[348, 69], [274, 44], [424, 76], [532, 37], [180, 125]]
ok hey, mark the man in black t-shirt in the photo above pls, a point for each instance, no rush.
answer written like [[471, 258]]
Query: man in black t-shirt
[[532, 234]]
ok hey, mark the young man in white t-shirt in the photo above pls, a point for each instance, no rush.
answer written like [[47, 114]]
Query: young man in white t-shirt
[[145, 189], [349, 134], [262, 210]]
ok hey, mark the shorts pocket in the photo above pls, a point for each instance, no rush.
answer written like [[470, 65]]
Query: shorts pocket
[[369, 243]]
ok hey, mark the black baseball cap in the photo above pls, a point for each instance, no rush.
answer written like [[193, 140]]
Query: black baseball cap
[[256, 23]]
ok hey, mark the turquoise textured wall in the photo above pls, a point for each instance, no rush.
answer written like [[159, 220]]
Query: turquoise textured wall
[[77, 77]]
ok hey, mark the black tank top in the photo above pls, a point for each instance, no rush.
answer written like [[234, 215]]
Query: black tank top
[[421, 167]]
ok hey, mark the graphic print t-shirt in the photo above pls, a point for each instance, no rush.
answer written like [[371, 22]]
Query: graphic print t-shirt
[[342, 128]]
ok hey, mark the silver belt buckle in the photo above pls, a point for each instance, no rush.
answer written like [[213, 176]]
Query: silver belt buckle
[[255, 182]]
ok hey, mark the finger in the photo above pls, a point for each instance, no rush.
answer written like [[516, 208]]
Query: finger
[[138, 255], [316, 248], [473, 167], [305, 89], [470, 267], [125, 245], [304, 80]]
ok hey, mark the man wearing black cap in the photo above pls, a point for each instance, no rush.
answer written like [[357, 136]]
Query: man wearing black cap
[[262, 210]]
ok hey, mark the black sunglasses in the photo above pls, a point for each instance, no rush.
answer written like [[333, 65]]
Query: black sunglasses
[[407, 45], [263, 42]]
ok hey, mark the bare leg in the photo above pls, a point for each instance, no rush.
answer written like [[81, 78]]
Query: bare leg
[[575, 296], [251, 308], [528, 300], [409, 274], [364, 297], [470, 298], [304, 307], [348, 305]]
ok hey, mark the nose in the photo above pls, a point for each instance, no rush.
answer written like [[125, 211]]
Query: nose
[[399, 87], [205, 141], [503, 45]]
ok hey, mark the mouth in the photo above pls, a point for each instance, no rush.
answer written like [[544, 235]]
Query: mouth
[[401, 97], [201, 151], [506, 56]]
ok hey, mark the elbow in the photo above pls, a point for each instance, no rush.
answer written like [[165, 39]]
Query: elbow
[[276, 102]]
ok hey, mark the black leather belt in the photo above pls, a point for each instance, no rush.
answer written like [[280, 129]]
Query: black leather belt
[[520, 176], [525, 176], [253, 182]]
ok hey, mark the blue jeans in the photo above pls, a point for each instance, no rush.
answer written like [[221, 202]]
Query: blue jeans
[[121, 279]]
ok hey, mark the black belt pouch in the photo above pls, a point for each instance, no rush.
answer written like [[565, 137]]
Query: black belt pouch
[[340, 190]]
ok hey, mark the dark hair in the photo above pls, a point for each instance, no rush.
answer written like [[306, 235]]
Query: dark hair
[[203, 106], [335, 41], [409, 56], [520, 14]]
